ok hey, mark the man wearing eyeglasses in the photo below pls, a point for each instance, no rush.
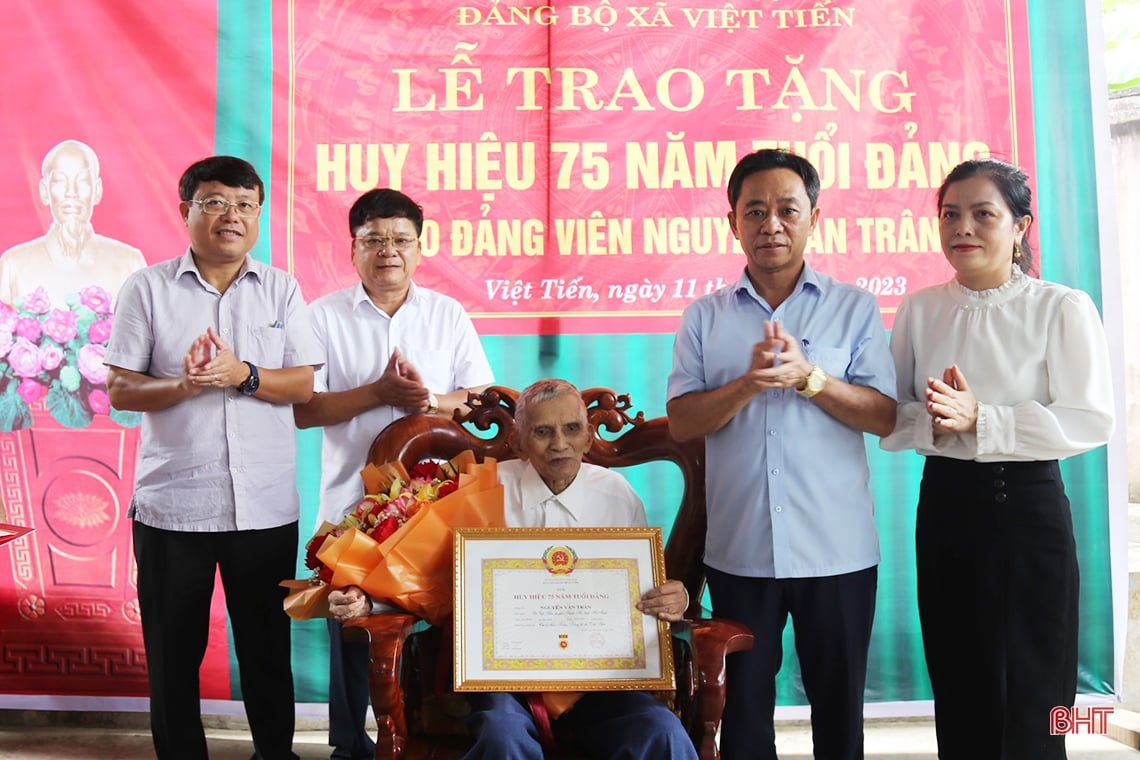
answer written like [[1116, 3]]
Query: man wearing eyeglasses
[[391, 348], [214, 348]]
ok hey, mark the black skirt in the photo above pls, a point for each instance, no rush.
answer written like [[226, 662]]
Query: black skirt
[[998, 587]]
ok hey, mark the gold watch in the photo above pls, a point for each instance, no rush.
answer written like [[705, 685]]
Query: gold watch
[[433, 404], [814, 382]]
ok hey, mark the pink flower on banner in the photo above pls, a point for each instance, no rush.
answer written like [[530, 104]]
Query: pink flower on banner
[[5, 342], [61, 325], [51, 356], [99, 401], [37, 302], [24, 358], [96, 299], [30, 390], [90, 363], [99, 331], [28, 327], [8, 317]]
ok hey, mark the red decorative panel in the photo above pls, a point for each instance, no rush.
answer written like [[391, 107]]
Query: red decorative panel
[[69, 620]]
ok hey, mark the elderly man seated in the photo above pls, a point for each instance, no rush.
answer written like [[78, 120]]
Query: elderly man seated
[[550, 487]]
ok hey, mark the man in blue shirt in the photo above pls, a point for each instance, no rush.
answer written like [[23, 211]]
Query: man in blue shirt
[[790, 520]]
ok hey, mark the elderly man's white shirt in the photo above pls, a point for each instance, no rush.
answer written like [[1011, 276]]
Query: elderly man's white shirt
[[598, 498]]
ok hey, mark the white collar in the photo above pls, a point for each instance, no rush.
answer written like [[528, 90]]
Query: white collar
[[535, 493]]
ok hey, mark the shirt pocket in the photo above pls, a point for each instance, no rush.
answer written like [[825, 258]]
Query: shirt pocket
[[264, 346], [834, 361], [435, 365]]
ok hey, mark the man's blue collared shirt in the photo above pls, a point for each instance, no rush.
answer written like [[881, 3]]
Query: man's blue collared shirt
[[787, 483]]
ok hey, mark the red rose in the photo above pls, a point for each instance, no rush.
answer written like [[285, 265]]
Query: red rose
[[387, 527], [311, 549], [325, 574], [447, 487], [423, 470]]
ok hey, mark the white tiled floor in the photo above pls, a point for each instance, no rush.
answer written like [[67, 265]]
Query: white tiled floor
[[914, 740], [885, 740]]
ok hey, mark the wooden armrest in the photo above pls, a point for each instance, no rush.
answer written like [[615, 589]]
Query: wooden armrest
[[386, 634], [711, 641]]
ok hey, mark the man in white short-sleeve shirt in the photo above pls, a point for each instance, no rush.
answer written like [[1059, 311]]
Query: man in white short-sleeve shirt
[[390, 349]]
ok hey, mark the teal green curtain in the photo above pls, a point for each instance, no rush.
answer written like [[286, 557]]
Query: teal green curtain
[[1068, 237], [243, 127], [243, 124]]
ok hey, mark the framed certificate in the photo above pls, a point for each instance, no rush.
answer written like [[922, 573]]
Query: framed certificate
[[553, 609]]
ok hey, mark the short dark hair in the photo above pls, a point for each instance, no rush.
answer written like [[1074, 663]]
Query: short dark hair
[[773, 158], [228, 170], [1012, 183], [384, 203]]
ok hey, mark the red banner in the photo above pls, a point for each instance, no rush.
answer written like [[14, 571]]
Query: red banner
[[144, 105], [573, 160]]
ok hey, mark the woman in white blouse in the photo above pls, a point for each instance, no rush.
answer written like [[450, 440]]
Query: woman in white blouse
[[1000, 375]]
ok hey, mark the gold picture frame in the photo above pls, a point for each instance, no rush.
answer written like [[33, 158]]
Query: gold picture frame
[[553, 609]]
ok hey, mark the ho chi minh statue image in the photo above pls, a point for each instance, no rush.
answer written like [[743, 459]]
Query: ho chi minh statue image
[[70, 256]]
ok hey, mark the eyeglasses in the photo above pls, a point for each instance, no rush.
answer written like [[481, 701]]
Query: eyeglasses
[[371, 244], [219, 207]]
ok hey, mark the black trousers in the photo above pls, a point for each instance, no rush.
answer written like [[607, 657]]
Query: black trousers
[[998, 588], [176, 580], [832, 616]]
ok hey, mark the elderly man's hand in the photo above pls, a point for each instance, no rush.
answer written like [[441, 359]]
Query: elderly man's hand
[[349, 602], [667, 602]]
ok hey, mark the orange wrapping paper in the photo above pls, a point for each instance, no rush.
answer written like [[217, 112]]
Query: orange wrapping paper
[[412, 569], [306, 600]]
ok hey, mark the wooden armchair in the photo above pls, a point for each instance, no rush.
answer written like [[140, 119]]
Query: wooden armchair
[[407, 672]]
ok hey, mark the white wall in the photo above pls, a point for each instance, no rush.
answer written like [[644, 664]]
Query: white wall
[[1124, 113]]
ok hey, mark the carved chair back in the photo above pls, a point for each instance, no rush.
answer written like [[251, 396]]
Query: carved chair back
[[620, 441]]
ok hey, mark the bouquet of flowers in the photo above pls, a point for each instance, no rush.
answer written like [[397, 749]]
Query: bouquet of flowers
[[397, 542], [398, 496], [56, 355]]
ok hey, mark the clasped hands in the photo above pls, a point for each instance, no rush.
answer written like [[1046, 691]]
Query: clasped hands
[[666, 602], [777, 361], [951, 404], [210, 363], [400, 385]]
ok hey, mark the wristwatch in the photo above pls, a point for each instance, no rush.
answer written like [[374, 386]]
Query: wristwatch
[[250, 385], [814, 382], [433, 404]]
